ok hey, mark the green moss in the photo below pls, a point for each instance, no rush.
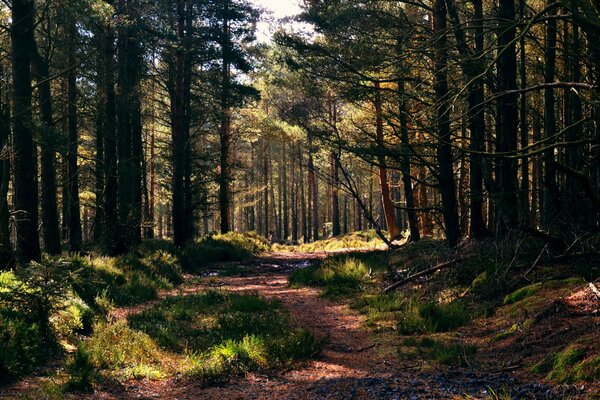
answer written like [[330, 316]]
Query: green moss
[[522, 293], [570, 365]]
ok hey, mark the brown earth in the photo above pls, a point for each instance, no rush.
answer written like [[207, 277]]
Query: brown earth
[[354, 363]]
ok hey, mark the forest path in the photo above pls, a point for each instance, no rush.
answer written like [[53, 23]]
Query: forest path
[[354, 363]]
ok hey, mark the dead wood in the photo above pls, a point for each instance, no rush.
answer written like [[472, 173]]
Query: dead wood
[[426, 272], [595, 290]]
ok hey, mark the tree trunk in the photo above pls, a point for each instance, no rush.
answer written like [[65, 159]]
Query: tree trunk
[[472, 70], [335, 200], [25, 164], [508, 123], [446, 182], [312, 181], [5, 244], [51, 229], [179, 94], [411, 213], [110, 137], [388, 206], [73, 173], [225, 124], [551, 197]]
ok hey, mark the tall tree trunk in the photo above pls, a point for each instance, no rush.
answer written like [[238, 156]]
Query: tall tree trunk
[[312, 181], [266, 187], [508, 123], [73, 173], [5, 244], [25, 164], [411, 213], [225, 127], [524, 131], [284, 183], [551, 197], [110, 137], [294, 194], [303, 208], [179, 90], [388, 206], [335, 200], [472, 69], [446, 182], [51, 229]]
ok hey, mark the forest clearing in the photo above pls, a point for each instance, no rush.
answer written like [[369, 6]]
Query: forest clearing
[[303, 199]]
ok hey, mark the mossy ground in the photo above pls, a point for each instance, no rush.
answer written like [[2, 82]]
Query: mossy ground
[[473, 313]]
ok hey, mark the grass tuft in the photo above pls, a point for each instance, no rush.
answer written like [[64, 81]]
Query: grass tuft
[[339, 276], [430, 317]]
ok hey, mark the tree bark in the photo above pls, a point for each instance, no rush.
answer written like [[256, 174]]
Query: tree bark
[[75, 237], [551, 196], [25, 164], [446, 182], [51, 229], [507, 120], [388, 206]]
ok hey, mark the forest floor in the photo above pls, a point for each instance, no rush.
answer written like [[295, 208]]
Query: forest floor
[[354, 362]]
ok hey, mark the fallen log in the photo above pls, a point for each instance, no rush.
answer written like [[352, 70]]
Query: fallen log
[[426, 272]]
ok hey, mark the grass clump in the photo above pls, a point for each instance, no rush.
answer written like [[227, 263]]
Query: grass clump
[[430, 317], [339, 276], [225, 333], [119, 350], [570, 365], [222, 248], [443, 353]]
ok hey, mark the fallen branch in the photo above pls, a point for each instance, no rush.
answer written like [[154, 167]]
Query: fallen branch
[[426, 272], [595, 290]]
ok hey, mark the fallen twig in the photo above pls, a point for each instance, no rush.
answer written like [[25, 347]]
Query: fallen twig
[[595, 290], [423, 273]]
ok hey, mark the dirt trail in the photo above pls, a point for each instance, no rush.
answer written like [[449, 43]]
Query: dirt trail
[[354, 363]]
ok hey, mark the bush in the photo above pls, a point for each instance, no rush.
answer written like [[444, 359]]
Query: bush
[[82, 372], [22, 346]]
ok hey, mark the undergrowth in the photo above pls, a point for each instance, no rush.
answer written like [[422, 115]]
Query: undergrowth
[[367, 239], [57, 301], [456, 354], [340, 276]]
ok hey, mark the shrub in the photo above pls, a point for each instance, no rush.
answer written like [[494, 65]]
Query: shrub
[[21, 348], [82, 372], [118, 348]]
